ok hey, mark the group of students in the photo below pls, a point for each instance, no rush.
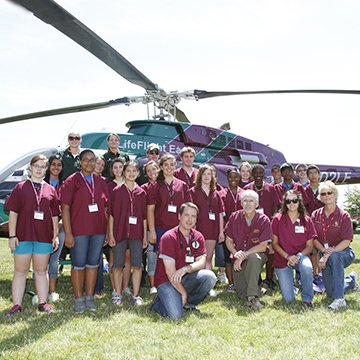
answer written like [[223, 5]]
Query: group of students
[[110, 200]]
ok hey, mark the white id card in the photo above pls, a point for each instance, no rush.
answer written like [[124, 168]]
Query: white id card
[[211, 216], [326, 246], [93, 208], [172, 208], [38, 215], [132, 220], [189, 258], [299, 229], [260, 210]]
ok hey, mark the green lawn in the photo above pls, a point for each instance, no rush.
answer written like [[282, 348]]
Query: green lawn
[[225, 328]]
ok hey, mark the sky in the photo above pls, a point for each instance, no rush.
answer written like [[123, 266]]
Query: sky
[[185, 45]]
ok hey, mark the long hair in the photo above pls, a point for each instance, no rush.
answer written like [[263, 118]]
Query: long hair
[[47, 174], [200, 173], [165, 157], [108, 138], [301, 208]]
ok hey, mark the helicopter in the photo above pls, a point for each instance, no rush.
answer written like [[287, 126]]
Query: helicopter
[[170, 127]]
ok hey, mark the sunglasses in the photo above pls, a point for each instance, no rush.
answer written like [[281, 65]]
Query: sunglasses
[[289, 201], [154, 152], [326, 193], [71, 138]]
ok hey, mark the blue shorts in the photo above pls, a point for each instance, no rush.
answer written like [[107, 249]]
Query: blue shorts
[[33, 247]]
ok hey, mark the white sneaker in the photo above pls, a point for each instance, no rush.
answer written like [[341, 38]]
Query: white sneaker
[[35, 300], [222, 279], [337, 304], [53, 297], [137, 301], [353, 274], [212, 293], [153, 290], [127, 292], [117, 299]]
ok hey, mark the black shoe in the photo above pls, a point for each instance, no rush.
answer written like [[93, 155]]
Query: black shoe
[[191, 307]]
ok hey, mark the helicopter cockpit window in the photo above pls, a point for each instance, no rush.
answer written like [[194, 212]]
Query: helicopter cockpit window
[[248, 146], [153, 130], [239, 144]]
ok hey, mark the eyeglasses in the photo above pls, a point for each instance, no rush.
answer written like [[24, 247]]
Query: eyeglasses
[[154, 152], [87, 161], [71, 138], [289, 201], [326, 193], [39, 167]]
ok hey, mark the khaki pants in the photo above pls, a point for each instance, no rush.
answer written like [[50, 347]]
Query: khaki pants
[[246, 280]]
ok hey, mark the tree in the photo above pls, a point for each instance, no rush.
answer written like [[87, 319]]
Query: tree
[[352, 204]]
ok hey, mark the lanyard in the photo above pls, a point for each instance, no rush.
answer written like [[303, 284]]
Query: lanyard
[[248, 230], [326, 228], [191, 238], [131, 196], [188, 177], [208, 199], [170, 189], [38, 198], [235, 198], [92, 188]]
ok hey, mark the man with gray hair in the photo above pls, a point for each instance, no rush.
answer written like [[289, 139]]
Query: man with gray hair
[[247, 234]]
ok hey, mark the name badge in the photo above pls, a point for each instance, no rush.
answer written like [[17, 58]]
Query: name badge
[[211, 216], [260, 210], [132, 220], [93, 208], [38, 215], [326, 246], [299, 229], [172, 208], [189, 258]]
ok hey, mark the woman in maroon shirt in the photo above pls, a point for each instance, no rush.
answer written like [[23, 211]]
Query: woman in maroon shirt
[[33, 229]]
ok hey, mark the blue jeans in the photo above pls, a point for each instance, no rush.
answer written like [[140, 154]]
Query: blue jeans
[[333, 273], [168, 302], [219, 255], [86, 252], [286, 279], [151, 260], [99, 286], [55, 256]]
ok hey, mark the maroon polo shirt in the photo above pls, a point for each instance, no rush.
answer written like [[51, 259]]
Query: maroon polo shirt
[[334, 228], [126, 203], [23, 201], [313, 202], [206, 204], [268, 198], [162, 196], [281, 190], [231, 201], [181, 174], [170, 247], [291, 241], [76, 194], [247, 236]]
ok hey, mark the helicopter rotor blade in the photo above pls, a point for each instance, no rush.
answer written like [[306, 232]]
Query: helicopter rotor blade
[[70, 109], [203, 94], [52, 13], [179, 115]]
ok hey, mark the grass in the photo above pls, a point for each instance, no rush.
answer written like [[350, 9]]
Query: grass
[[225, 328]]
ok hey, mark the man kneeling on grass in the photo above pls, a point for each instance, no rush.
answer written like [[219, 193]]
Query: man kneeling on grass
[[247, 234], [180, 277]]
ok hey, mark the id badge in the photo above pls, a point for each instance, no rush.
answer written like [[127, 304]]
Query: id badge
[[299, 229], [326, 246], [93, 208], [172, 208], [260, 210], [132, 220], [38, 215], [211, 216], [189, 258]]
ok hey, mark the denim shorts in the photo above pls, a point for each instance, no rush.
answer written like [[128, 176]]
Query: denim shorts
[[136, 252], [33, 247]]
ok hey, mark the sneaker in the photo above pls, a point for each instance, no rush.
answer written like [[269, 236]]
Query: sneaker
[[35, 300], [222, 279], [337, 304], [79, 305], [117, 299], [15, 309], [212, 293], [231, 288], [89, 303], [268, 284], [127, 292], [254, 303], [45, 307], [137, 301], [114, 293], [308, 304], [191, 307], [153, 290], [99, 294], [356, 287], [53, 297], [318, 284]]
